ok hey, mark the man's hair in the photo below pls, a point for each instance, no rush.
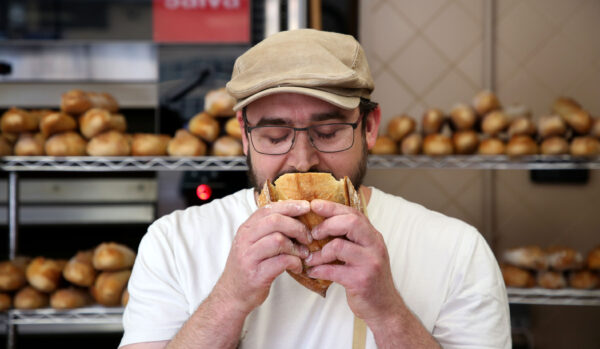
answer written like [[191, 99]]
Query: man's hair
[[365, 107]]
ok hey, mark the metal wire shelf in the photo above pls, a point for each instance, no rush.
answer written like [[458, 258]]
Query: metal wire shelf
[[94, 315], [542, 296]]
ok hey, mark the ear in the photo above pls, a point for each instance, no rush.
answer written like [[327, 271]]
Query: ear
[[240, 119], [372, 126]]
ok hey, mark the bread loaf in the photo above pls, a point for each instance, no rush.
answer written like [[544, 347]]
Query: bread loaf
[[66, 144], [44, 273], [585, 146], [69, 298], [219, 103], [463, 117], [521, 145], [111, 256], [79, 270], [411, 144], [233, 128], [433, 120], [227, 146], [563, 258], [5, 302], [400, 126], [125, 298], [485, 102], [146, 144], [517, 277], [29, 144], [384, 145], [57, 122], [17, 120], [6, 147], [204, 126], [12, 276], [555, 146], [30, 298], [491, 146], [551, 279], [437, 144], [186, 144], [494, 123], [551, 125], [529, 257], [593, 259], [465, 142], [77, 102], [584, 280], [109, 286], [109, 143], [521, 126]]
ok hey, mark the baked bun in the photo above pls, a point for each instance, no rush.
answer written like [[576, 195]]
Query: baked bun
[[517, 111], [94, 122], [465, 142], [66, 144], [517, 277], [6, 147], [564, 105], [29, 144], [111, 256], [125, 297], [70, 298], [494, 123], [529, 257], [463, 117], [584, 280], [310, 186], [593, 259], [12, 276], [595, 131], [204, 126], [437, 144], [79, 270], [103, 100], [109, 143], [227, 146], [585, 146], [57, 122], [411, 144], [555, 146], [400, 126], [384, 145], [219, 103], [551, 279], [109, 286], [521, 145], [491, 146], [433, 121], [44, 273], [118, 122], [77, 102], [30, 298], [186, 144], [233, 128], [147, 144], [563, 258], [5, 301], [485, 102], [521, 126], [551, 125], [17, 120], [579, 120]]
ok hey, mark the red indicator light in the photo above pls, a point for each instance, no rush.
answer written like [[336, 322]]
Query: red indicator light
[[203, 192]]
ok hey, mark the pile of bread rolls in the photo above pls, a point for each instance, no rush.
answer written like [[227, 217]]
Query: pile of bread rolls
[[555, 267], [97, 276], [89, 123], [485, 127]]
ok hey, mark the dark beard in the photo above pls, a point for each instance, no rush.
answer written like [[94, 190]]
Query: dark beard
[[356, 177]]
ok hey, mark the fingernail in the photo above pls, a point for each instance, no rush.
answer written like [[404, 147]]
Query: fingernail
[[309, 237], [314, 233], [309, 258], [304, 251]]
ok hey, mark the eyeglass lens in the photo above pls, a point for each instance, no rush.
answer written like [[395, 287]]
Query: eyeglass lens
[[280, 139]]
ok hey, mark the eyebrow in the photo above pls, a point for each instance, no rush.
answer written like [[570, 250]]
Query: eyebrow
[[277, 121]]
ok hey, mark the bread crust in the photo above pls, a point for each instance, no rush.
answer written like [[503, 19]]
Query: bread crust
[[80, 270], [109, 286], [111, 256]]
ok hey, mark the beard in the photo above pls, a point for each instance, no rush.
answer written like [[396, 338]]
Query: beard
[[356, 175]]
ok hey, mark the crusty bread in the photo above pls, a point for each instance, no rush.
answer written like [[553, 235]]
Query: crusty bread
[[30, 298], [310, 186], [57, 122], [69, 298], [44, 273], [147, 144], [517, 277], [29, 144], [109, 286], [17, 120], [12, 276], [112, 256], [68, 143], [186, 144], [80, 270], [109, 143], [5, 301], [125, 297]]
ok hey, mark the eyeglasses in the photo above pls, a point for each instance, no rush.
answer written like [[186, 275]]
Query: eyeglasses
[[278, 140]]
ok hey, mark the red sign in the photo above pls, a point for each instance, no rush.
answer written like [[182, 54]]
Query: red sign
[[206, 21]]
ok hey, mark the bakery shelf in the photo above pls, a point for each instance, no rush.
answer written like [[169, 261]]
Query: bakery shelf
[[238, 163], [93, 315], [567, 296]]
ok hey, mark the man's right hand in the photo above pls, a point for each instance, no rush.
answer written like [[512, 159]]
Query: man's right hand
[[261, 250]]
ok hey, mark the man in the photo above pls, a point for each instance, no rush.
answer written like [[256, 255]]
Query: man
[[213, 276]]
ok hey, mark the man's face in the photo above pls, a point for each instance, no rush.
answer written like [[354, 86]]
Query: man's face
[[301, 111]]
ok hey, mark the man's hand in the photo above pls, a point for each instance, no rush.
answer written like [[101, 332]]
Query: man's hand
[[261, 251]]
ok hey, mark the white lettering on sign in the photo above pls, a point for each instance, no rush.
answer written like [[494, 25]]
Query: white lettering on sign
[[202, 4]]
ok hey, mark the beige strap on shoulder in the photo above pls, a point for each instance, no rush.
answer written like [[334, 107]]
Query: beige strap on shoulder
[[359, 337]]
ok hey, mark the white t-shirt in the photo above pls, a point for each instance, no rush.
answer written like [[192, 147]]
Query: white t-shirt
[[441, 266]]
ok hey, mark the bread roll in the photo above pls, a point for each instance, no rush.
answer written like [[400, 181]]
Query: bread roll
[[517, 277], [147, 144], [30, 298], [77, 102], [555, 146], [585, 146], [579, 120], [125, 298], [204, 126], [521, 145], [227, 146], [233, 128], [463, 117], [17, 120], [529, 257], [563, 258], [94, 122], [491, 146], [437, 145], [109, 286], [593, 259], [10, 137], [29, 144], [186, 144], [564, 105], [433, 120], [412, 144], [485, 102], [5, 301], [521, 126], [516, 111], [6, 147], [118, 122], [103, 100], [310, 186], [595, 131], [551, 125], [12, 276], [384, 145], [109, 143], [400, 126], [44, 273], [111, 256], [584, 280], [57, 122], [66, 144], [494, 123], [551, 279], [69, 298], [219, 103], [79, 270], [465, 142]]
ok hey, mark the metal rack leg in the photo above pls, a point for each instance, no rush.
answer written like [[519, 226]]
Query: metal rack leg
[[13, 204], [11, 336]]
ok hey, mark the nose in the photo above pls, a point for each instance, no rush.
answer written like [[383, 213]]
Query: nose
[[303, 156]]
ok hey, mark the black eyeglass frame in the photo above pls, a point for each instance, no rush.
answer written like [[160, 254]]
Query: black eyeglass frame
[[295, 129]]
